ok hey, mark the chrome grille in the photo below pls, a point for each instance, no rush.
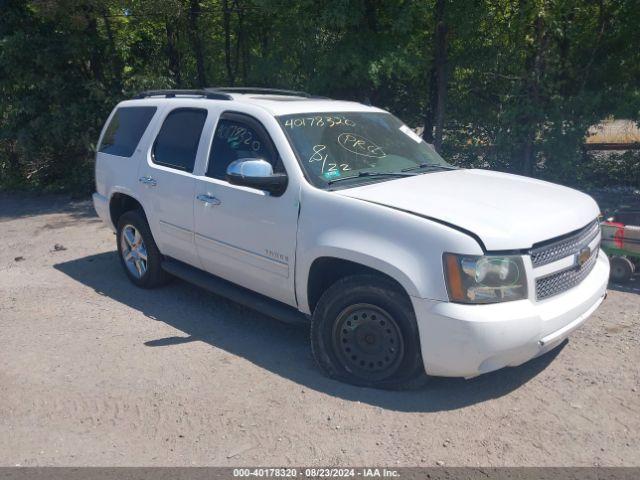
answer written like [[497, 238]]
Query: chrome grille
[[559, 282], [555, 249]]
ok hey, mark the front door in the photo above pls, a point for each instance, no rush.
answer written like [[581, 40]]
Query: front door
[[168, 184], [242, 234]]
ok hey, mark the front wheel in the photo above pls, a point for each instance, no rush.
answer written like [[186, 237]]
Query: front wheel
[[364, 332]]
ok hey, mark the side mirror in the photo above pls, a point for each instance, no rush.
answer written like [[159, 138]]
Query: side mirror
[[256, 173]]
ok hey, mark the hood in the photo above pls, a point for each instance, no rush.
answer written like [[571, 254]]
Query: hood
[[507, 212]]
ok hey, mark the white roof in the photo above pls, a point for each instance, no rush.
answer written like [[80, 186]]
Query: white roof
[[274, 104], [287, 104]]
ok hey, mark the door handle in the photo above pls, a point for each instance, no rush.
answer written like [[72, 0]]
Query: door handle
[[209, 199], [148, 181]]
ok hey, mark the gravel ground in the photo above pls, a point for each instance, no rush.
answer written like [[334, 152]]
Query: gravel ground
[[96, 372]]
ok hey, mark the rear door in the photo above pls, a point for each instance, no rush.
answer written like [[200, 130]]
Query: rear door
[[167, 183], [118, 151], [242, 234]]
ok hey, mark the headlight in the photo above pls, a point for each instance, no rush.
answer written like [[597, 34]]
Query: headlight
[[484, 279]]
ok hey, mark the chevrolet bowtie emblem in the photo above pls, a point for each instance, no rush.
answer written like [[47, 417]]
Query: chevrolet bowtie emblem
[[583, 255]]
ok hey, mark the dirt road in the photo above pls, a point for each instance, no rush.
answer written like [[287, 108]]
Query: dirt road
[[96, 372]]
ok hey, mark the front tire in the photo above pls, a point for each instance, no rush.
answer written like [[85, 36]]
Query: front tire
[[364, 332], [138, 252]]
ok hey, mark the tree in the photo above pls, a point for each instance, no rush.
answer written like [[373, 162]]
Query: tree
[[506, 84], [434, 117], [194, 34]]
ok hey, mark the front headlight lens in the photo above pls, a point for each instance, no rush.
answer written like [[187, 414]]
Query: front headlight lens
[[484, 279]]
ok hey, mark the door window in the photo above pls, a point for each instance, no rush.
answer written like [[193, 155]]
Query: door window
[[237, 138], [125, 130], [177, 143]]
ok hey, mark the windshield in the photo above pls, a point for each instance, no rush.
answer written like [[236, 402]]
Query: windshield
[[356, 146]]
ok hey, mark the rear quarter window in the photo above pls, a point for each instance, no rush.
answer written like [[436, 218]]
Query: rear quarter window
[[125, 130], [177, 142]]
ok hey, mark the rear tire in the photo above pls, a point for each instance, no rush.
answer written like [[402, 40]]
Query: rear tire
[[621, 269], [364, 332], [138, 252]]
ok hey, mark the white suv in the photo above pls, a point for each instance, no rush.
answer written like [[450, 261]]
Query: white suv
[[336, 213]]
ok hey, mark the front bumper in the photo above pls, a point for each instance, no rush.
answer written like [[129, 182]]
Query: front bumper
[[468, 340]]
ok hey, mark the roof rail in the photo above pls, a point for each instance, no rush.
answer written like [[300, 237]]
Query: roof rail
[[273, 91], [172, 93]]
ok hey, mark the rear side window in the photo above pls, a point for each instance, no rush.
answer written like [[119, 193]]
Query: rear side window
[[177, 142], [125, 130]]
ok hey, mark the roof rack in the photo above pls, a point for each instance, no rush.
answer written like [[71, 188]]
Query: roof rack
[[273, 91], [221, 93], [211, 94]]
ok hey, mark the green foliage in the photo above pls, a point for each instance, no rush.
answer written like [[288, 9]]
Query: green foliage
[[602, 169], [525, 79]]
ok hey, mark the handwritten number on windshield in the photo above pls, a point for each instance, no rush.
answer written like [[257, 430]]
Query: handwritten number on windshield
[[319, 121]]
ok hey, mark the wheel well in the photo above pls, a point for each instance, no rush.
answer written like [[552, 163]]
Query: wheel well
[[326, 271], [121, 203]]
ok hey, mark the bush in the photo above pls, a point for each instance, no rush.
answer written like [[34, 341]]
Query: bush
[[602, 169]]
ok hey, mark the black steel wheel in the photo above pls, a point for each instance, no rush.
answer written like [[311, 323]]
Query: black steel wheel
[[368, 341], [364, 332]]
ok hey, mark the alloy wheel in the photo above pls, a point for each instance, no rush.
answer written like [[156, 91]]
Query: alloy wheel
[[134, 251]]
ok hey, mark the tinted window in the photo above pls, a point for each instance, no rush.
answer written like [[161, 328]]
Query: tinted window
[[125, 130], [177, 142], [235, 139]]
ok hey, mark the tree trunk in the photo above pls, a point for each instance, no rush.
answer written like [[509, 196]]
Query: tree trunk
[[370, 15], [226, 20], [236, 60], [93, 38], [435, 112], [196, 44], [117, 63], [173, 56], [528, 154], [242, 44], [13, 160], [429, 114], [535, 64]]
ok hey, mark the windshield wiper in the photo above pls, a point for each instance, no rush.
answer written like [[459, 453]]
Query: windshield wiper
[[372, 174], [430, 166]]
